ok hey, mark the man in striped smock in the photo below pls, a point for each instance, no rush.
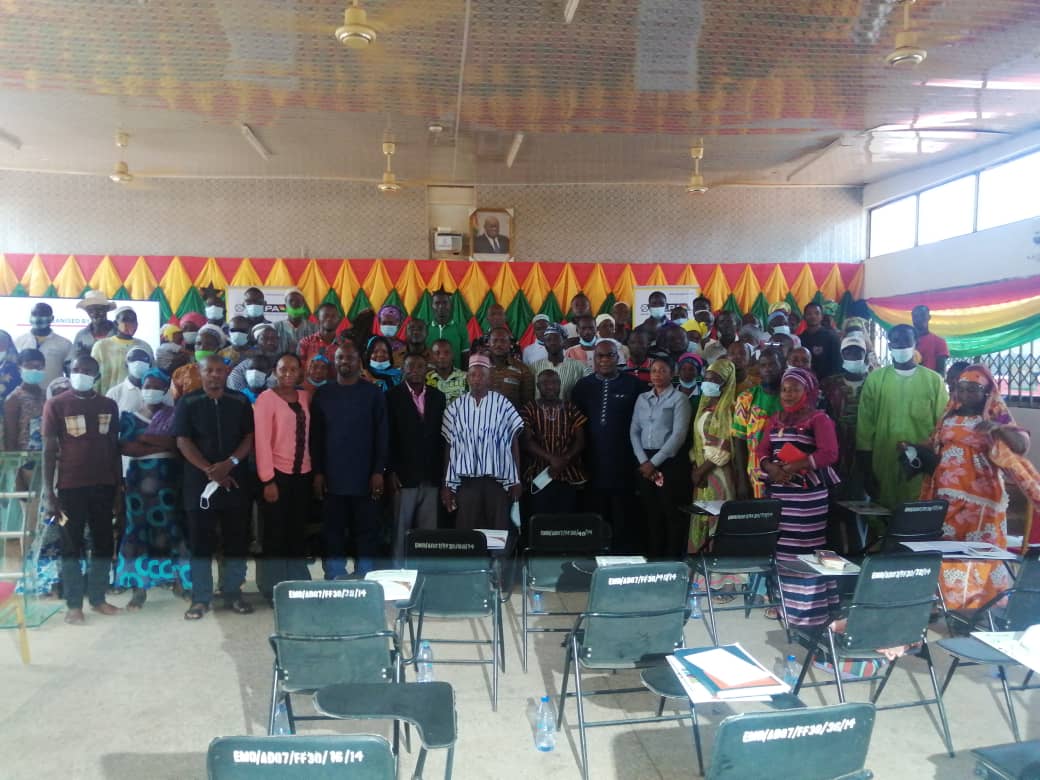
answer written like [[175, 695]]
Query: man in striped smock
[[481, 428], [798, 448]]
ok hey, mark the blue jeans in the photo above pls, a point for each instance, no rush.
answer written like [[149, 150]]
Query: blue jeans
[[360, 516], [202, 541]]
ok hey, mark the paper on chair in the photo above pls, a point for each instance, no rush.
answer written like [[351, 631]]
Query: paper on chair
[[618, 560], [496, 540], [397, 583]]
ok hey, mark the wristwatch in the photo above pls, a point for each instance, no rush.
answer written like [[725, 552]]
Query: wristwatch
[[234, 461]]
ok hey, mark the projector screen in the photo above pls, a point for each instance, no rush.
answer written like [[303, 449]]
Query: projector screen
[[14, 316]]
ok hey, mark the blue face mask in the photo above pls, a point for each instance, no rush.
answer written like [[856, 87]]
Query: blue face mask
[[33, 376], [317, 384], [379, 365], [688, 385], [585, 343], [711, 389]]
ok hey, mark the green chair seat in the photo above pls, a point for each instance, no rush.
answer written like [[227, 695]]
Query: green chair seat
[[1014, 761], [974, 650], [430, 707]]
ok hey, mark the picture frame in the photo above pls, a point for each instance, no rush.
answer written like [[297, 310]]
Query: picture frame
[[501, 245]]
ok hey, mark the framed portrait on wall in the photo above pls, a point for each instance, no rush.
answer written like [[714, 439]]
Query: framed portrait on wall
[[492, 234]]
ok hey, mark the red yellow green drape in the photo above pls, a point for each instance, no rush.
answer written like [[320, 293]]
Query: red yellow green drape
[[523, 288]]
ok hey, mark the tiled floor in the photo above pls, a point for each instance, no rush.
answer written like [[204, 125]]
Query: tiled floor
[[141, 695]]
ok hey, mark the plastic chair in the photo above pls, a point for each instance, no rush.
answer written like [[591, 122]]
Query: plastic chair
[[358, 756], [821, 743], [558, 559], [328, 632], [1021, 611], [456, 581], [744, 542], [891, 607], [634, 620], [1014, 761], [913, 521]]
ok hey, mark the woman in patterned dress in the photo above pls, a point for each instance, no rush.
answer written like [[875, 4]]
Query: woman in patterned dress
[[798, 447]]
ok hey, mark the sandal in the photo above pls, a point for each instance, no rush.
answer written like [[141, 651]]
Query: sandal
[[196, 611], [137, 600], [771, 613], [240, 607], [723, 597]]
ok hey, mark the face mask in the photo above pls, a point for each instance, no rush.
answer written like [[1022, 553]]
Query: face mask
[[153, 396], [238, 338], [388, 330], [41, 322], [81, 383], [136, 368], [379, 365], [585, 343], [679, 320], [902, 355], [657, 312], [214, 312], [317, 384], [296, 312], [854, 366], [255, 378], [33, 376], [711, 389], [202, 354], [688, 385], [254, 310], [782, 329], [190, 337]]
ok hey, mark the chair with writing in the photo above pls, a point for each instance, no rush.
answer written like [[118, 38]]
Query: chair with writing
[[1014, 609], [913, 521], [890, 608], [559, 557], [456, 581], [819, 743], [633, 621], [355, 756]]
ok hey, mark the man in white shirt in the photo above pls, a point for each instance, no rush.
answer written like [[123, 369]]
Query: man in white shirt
[[535, 352], [56, 349]]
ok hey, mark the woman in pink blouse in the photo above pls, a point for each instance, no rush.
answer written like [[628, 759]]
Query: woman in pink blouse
[[283, 463]]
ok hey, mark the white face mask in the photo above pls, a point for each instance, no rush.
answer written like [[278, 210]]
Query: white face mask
[[81, 383], [238, 338], [711, 389], [657, 312], [255, 378], [902, 354], [190, 337], [688, 385], [784, 329], [152, 396], [254, 310], [214, 312], [388, 330], [854, 366], [136, 368]]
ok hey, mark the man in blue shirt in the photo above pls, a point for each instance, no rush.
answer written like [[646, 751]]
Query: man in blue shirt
[[349, 435]]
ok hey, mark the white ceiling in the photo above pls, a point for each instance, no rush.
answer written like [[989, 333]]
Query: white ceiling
[[782, 91]]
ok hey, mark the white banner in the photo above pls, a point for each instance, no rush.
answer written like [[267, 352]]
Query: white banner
[[68, 320], [274, 300], [677, 295]]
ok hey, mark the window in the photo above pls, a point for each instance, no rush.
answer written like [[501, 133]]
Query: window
[[946, 211], [1010, 192], [893, 227]]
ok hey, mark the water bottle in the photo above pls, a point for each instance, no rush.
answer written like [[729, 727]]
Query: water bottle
[[537, 603], [791, 670], [695, 608], [281, 719], [545, 726], [424, 672]]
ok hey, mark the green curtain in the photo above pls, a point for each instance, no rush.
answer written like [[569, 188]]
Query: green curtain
[[608, 305], [333, 298], [731, 305], [482, 312], [361, 303], [424, 308], [760, 308], [551, 308], [519, 314], [986, 342], [192, 302], [165, 311], [394, 299]]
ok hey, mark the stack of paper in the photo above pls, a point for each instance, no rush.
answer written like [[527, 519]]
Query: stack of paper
[[618, 560], [496, 540], [728, 672], [397, 583]]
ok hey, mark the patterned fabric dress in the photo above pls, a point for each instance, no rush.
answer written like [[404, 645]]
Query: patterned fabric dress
[[753, 409], [152, 551]]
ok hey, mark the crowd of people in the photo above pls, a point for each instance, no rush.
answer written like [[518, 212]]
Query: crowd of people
[[235, 436]]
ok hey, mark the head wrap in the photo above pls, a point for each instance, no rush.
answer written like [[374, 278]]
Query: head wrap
[[168, 331], [479, 360], [806, 379], [193, 318], [779, 306], [603, 318], [391, 309], [995, 409], [690, 357], [554, 328], [156, 373], [319, 357], [259, 328], [778, 315], [830, 308], [720, 424], [208, 328], [541, 318]]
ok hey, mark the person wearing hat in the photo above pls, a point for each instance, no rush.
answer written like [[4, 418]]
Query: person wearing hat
[[266, 339], [297, 323], [840, 394], [111, 352], [568, 369], [188, 378], [536, 351], [97, 306], [240, 341]]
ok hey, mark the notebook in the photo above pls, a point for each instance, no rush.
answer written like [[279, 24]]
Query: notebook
[[730, 672]]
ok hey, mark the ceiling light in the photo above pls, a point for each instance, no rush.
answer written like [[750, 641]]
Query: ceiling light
[[256, 143], [697, 185], [121, 173], [906, 53], [514, 150], [389, 182], [355, 32], [570, 7], [436, 128]]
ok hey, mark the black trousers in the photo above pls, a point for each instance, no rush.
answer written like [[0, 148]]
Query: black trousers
[[233, 522], [620, 509], [284, 525], [86, 507], [483, 503], [358, 516], [666, 527]]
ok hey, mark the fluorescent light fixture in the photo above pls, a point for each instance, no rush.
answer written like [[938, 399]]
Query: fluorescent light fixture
[[11, 140], [570, 7], [514, 150], [256, 143], [1023, 85]]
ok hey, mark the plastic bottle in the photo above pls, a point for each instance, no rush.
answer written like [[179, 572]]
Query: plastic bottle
[[424, 671], [791, 670], [281, 719], [537, 603], [695, 608], [545, 726]]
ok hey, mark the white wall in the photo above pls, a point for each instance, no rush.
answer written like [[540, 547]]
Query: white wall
[[54, 213]]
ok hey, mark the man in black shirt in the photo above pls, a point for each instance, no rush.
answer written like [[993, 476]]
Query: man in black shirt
[[823, 343], [214, 430]]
